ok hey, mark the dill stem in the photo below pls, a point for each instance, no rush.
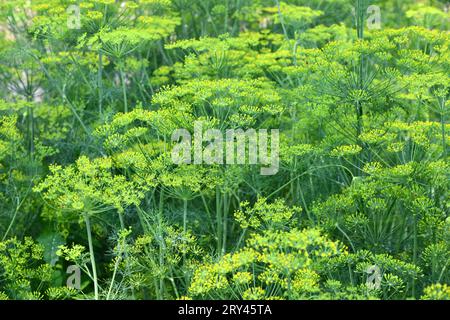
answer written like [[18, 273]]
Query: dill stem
[[116, 266], [225, 224], [124, 89], [122, 223], [185, 203], [219, 222], [91, 254], [414, 254], [184, 216], [443, 131], [160, 290], [31, 130], [100, 82]]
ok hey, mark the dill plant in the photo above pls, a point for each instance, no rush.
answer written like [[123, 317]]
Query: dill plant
[[87, 179]]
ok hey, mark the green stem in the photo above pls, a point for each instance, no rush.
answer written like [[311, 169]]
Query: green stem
[[185, 203], [360, 20], [225, 224], [414, 254], [18, 206], [161, 239], [219, 222], [226, 16], [13, 219], [124, 89], [280, 17], [116, 266], [444, 138], [443, 131], [100, 82], [91, 254], [142, 220], [360, 15], [122, 223], [207, 211], [31, 129]]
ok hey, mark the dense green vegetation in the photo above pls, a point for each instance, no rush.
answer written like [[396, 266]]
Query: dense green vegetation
[[358, 209]]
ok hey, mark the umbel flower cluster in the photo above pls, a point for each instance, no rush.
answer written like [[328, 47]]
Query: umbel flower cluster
[[92, 205]]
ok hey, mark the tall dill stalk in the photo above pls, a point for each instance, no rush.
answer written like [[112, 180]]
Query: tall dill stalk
[[225, 223], [91, 255], [100, 82], [160, 285], [219, 221], [360, 12], [442, 110], [280, 16], [124, 88], [185, 207], [361, 7]]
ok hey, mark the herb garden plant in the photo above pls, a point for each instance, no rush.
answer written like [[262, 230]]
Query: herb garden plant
[[93, 206]]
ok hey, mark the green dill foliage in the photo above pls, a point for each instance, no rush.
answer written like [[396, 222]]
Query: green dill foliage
[[24, 273], [275, 263], [88, 187], [92, 92]]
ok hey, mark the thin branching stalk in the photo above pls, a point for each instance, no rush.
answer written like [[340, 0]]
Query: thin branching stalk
[[91, 255], [124, 88], [100, 82]]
